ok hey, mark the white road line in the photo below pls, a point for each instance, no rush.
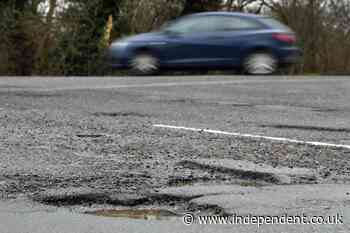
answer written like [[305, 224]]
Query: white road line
[[254, 136]]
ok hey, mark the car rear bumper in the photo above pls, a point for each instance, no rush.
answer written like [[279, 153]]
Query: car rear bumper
[[290, 55]]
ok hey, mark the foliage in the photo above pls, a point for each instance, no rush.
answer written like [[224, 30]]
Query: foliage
[[194, 6], [143, 16], [323, 31], [63, 37]]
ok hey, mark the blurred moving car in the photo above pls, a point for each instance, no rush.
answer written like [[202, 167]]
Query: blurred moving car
[[213, 40]]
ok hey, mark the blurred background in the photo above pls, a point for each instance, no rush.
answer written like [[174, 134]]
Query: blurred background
[[69, 37]]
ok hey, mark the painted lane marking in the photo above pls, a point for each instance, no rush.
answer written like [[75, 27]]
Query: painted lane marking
[[279, 139]]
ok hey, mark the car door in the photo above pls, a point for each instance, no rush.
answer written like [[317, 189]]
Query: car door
[[206, 41], [186, 43], [228, 35]]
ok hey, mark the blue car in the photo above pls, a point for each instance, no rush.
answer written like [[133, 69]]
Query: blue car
[[214, 40]]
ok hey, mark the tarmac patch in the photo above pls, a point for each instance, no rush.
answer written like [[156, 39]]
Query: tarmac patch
[[278, 199]]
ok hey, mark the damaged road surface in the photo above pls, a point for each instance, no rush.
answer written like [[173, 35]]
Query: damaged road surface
[[87, 149]]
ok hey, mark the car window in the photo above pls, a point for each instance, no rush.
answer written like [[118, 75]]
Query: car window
[[225, 23], [190, 25], [272, 23]]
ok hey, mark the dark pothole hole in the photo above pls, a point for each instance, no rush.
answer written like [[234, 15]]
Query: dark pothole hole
[[120, 114], [152, 207], [308, 128]]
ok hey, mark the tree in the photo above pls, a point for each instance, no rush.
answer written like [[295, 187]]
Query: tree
[[81, 28], [65, 39], [322, 28], [16, 16], [193, 6], [253, 6], [143, 16]]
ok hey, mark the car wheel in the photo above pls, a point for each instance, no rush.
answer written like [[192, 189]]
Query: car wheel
[[145, 64], [260, 63]]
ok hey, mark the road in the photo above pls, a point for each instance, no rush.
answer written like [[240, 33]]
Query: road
[[100, 134]]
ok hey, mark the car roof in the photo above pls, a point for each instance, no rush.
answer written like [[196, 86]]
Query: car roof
[[225, 13]]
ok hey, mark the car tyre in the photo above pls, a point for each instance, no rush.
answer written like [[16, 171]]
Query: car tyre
[[145, 64], [260, 63]]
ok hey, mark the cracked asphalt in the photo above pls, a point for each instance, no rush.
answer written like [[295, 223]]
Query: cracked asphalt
[[98, 132]]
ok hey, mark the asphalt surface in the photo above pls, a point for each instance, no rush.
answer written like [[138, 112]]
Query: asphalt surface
[[98, 133]]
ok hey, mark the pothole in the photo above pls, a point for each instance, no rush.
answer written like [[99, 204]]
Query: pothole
[[89, 135], [326, 110], [120, 114], [87, 197], [305, 127], [197, 101], [36, 95], [236, 173], [249, 173], [218, 179], [184, 181], [153, 206], [182, 100], [234, 104], [145, 214], [11, 86]]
